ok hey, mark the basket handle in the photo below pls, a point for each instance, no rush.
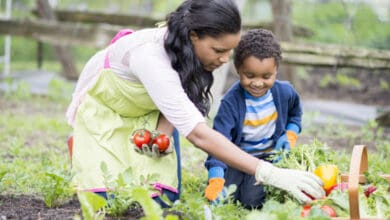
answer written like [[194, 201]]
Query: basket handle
[[358, 165]]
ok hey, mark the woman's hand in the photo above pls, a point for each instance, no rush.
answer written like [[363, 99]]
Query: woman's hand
[[154, 150], [152, 144], [296, 182]]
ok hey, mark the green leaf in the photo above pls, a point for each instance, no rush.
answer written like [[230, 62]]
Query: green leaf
[[151, 209], [90, 204]]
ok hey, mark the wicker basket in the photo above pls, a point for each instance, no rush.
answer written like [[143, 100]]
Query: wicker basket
[[358, 165]]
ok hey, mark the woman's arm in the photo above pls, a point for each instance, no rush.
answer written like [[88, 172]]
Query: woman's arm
[[293, 181], [164, 126], [221, 148]]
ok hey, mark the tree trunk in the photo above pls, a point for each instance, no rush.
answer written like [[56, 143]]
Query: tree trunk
[[62, 52], [281, 11]]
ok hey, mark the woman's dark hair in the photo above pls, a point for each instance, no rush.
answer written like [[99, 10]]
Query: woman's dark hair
[[206, 18], [259, 43]]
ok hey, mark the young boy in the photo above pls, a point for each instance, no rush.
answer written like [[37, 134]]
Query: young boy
[[259, 114]]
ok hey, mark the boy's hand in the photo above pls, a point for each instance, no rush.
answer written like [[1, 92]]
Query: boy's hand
[[292, 138], [282, 143], [214, 188], [216, 184], [286, 141]]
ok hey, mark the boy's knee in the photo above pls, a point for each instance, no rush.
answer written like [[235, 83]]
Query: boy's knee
[[254, 201], [252, 197]]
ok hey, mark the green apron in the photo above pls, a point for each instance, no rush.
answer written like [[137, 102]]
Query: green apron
[[112, 109]]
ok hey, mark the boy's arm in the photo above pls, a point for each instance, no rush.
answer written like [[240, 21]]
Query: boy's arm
[[293, 127], [223, 123], [294, 113], [294, 120]]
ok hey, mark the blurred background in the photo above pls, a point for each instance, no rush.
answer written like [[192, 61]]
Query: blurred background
[[335, 52]]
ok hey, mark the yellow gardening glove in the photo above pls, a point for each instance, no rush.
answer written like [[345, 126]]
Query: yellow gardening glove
[[291, 138], [214, 188]]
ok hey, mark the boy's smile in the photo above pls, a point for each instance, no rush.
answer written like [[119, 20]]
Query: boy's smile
[[257, 76]]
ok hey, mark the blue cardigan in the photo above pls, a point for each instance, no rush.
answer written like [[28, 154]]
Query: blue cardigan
[[231, 113]]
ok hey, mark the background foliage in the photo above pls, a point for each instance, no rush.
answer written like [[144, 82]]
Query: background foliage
[[352, 23]]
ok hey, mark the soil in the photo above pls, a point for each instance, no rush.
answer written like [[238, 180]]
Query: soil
[[28, 207], [367, 92], [367, 87]]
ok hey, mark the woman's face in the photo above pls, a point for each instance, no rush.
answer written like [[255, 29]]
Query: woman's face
[[257, 76], [213, 52]]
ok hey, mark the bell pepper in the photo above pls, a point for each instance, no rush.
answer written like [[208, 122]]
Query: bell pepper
[[328, 174]]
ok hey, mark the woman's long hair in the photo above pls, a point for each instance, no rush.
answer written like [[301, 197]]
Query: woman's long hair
[[206, 18]]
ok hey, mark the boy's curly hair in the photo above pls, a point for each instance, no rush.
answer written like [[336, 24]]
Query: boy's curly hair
[[259, 43]]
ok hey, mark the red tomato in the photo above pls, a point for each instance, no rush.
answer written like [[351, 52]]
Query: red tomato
[[141, 137], [305, 211], [328, 210], [162, 141], [70, 146]]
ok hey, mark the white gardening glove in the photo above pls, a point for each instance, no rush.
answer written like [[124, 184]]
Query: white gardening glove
[[295, 182]]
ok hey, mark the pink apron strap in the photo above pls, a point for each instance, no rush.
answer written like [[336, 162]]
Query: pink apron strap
[[120, 34]]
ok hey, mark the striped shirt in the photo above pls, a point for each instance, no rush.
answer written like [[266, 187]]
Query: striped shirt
[[259, 124]]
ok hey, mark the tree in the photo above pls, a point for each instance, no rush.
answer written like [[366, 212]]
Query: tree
[[282, 27], [63, 54]]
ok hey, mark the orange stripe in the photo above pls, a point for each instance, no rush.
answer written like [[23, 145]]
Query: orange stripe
[[261, 121]]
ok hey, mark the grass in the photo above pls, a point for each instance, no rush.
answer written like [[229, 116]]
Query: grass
[[34, 157]]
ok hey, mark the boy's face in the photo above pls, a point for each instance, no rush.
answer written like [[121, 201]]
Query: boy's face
[[257, 76]]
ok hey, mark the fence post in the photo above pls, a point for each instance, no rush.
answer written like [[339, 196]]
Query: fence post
[[6, 58]]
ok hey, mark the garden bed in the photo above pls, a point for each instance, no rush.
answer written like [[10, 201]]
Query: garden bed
[[34, 129]]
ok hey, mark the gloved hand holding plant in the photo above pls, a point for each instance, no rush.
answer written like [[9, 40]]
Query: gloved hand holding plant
[[301, 184], [288, 140]]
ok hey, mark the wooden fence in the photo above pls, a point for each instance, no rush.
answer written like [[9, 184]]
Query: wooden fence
[[99, 34], [95, 29]]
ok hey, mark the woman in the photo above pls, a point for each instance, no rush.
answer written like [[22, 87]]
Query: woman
[[160, 79]]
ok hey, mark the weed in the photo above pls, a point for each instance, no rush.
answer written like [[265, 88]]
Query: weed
[[59, 90], [18, 90], [340, 79], [56, 187], [91, 204], [347, 81], [384, 85]]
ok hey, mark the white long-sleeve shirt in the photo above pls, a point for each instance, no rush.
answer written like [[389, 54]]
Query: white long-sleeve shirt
[[141, 57]]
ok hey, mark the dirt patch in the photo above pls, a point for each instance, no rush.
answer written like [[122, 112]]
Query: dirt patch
[[29, 207], [361, 86]]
